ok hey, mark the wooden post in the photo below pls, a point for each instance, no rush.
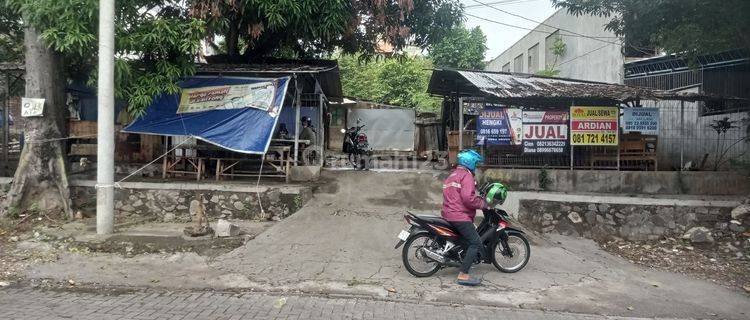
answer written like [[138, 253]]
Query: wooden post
[[6, 124], [321, 140], [682, 134], [570, 133], [618, 139], [460, 124], [297, 106]]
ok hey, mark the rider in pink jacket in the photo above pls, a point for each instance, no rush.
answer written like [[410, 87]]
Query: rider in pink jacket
[[460, 201], [460, 204]]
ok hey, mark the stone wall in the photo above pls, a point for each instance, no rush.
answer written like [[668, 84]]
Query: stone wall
[[623, 182], [172, 205], [634, 222]]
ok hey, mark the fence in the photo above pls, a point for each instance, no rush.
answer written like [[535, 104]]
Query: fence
[[688, 138]]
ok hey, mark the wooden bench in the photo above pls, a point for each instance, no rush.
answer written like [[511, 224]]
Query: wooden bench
[[638, 152]]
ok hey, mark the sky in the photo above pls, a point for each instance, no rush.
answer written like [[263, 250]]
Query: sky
[[500, 37]]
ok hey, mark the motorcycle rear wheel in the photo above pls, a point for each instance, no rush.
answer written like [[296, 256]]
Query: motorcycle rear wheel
[[520, 249], [412, 253]]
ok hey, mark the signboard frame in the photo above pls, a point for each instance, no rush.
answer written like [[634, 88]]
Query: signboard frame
[[553, 123], [594, 126]]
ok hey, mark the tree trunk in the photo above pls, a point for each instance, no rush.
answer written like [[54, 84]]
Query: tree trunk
[[233, 41], [41, 180]]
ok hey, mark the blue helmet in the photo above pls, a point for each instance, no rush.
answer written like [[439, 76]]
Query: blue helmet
[[469, 159]]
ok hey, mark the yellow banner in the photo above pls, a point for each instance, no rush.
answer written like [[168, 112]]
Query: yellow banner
[[257, 95], [585, 138], [594, 126], [594, 113]]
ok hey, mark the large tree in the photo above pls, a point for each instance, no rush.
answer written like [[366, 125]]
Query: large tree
[[156, 43], [461, 48], [686, 27], [398, 81], [306, 28]]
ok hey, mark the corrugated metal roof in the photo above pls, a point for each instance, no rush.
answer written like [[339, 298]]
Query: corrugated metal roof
[[507, 85], [324, 72], [519, 88]]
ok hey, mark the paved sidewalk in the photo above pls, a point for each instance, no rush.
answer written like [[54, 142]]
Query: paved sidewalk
[[27, 303]]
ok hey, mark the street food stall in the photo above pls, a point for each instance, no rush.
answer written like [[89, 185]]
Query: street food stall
[[242, 120]]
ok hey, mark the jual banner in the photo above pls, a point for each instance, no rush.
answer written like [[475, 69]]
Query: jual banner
[[499, 126], [643, 120], [256, 95], [594, 126], [545, 131]]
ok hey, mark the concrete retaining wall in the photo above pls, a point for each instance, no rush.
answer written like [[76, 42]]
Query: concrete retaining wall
[[631, 221], [624, 182]]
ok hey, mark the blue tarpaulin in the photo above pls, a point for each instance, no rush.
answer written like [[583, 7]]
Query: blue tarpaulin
[[246, 129]]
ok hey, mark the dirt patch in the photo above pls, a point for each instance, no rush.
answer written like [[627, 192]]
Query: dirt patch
[[724, 262], [132, 245]]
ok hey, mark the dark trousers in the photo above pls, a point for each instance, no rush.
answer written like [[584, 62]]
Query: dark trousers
[[469, 232]]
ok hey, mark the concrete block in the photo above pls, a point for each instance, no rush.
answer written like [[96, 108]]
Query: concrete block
[[305, 173], [225, 228]]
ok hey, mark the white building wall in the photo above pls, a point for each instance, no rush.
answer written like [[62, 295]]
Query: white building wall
[[584, 59]]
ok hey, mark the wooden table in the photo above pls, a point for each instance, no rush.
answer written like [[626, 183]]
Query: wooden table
[[182, 164], [281, 167]]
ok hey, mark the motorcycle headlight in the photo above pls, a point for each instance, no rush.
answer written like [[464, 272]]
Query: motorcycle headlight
[[343, 130]]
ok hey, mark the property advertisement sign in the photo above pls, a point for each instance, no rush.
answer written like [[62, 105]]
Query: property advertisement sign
[[594, 126], [643, 120], [545, 131], [257, 95], [499, 126]]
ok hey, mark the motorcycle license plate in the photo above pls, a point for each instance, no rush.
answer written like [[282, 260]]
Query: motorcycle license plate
[[403, 235]]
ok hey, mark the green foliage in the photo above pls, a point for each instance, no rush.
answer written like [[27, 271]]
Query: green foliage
[[558, 50], [155, 42], [11, 35], [544, 179], [687, 27], [461, 48], [397, 81], [310, 28]]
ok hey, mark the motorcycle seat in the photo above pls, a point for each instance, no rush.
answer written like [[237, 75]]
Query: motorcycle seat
[[438, 221]]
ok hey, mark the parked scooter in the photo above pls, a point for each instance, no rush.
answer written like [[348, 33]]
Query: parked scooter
[[357, 147], [431, 243]]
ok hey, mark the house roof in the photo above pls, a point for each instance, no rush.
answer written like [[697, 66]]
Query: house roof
[[525, 88], [325, 72]]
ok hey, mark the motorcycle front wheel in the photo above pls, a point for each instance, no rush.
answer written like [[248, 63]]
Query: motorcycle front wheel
[[415, 261], [516, 258]]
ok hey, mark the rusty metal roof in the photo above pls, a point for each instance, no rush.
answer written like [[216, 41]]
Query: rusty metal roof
[[324, 72], [517, 88]]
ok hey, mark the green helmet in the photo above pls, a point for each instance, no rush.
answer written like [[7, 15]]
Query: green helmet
[[496, 193]]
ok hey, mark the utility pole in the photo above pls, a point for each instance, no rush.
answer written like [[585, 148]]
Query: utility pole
[[105, 146]]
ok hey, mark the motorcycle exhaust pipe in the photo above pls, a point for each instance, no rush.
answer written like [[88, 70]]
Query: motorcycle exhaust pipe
[[433, 255]]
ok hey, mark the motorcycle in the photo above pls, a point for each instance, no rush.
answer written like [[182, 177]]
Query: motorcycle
[[431, 243], [357, 147]]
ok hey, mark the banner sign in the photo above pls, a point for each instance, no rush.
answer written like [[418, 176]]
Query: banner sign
[[643, 120], [594, 126], [545, 131], [499, 126], [245, 129], [257, 95]]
